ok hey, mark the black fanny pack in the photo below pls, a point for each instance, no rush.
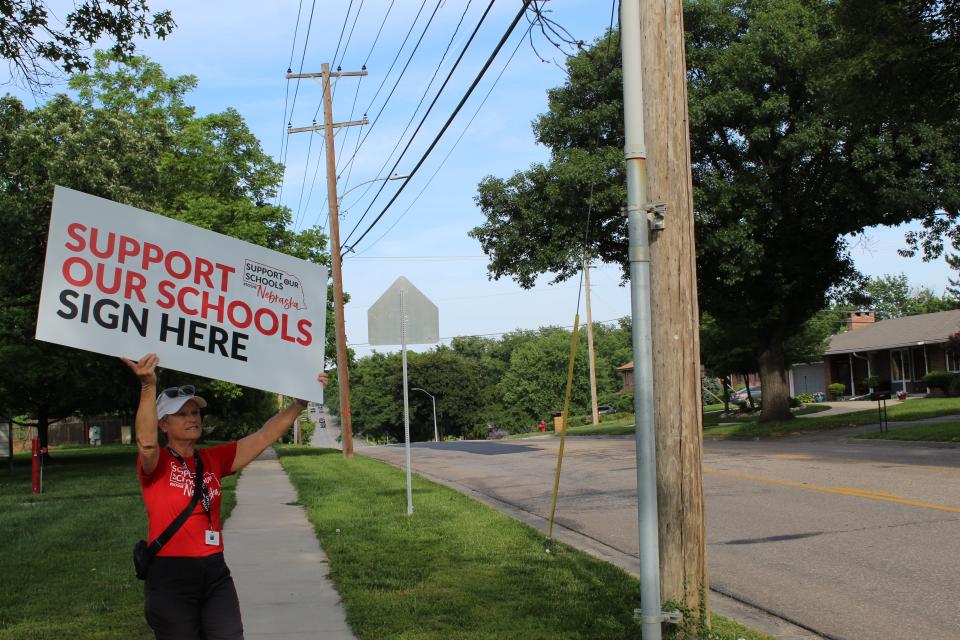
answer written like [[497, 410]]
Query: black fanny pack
[[144, 553]]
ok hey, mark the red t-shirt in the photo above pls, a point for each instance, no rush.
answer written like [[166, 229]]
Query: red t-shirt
[[169, 489]]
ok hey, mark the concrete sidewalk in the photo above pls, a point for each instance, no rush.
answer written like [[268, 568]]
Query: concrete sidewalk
[[277, 564]]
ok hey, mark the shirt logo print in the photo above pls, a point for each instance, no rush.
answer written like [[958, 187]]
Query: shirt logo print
[[182, 479]]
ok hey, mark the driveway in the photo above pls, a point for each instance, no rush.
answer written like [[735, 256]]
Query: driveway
[[845, 539]]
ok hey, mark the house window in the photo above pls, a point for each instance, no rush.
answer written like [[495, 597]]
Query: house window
[[953, 361], [900, 366]]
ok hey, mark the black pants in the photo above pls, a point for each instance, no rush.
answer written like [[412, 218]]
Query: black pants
[[192, 599]]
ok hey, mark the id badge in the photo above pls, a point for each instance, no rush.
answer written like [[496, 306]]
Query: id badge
[[212, 538]]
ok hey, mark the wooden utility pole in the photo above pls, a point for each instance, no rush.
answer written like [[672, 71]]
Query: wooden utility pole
[[675, 317], [343, 373], [592, 355]]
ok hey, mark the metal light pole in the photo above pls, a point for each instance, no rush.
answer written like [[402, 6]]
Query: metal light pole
[[635, 154], [436, 433]]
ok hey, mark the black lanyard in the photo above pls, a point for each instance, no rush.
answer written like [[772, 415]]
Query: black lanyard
[[198, 484]]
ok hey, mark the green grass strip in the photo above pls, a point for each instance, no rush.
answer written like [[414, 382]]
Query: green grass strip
[[936, 432], [455, 569], [66, 568], [913, 409]]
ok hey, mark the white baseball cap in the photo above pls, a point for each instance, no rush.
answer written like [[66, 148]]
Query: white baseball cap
[[171, 400]]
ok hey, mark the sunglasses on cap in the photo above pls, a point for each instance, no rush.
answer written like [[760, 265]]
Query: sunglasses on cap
[[186, 391]]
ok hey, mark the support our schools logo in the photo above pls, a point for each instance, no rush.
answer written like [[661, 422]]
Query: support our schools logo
[[274, 285]]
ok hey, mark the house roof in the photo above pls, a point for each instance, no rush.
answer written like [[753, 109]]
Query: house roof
[[897, 332], [626, 367]]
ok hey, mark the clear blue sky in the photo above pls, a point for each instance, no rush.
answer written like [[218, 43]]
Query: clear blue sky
[[240, 52]]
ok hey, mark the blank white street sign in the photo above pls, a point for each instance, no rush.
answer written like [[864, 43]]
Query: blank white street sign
[[384, 317], [404, 316]]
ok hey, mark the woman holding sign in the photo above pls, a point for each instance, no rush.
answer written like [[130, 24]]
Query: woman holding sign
[[189, 591]]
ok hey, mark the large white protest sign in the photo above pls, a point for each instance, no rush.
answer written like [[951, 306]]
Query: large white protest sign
[[125, 282]]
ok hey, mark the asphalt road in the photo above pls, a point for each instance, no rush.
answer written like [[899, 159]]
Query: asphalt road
[[857, 540]]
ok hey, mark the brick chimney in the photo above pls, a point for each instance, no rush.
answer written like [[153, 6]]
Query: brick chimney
[[860, 319]]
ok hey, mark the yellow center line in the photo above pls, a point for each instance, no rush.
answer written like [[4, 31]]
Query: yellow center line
[[844, 491], [793, 456]]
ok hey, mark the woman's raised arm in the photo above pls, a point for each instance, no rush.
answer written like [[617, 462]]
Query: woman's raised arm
[[146, 425], [253, 445]]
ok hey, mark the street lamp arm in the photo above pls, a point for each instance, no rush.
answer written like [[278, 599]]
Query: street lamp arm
[[357, 186], [433, 401]]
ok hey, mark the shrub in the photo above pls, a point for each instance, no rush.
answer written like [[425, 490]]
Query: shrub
[[872, 382], [795, 403], [836, 390], [954, 389], [622, 402], [712, 390], [806, 398], [939, 380]]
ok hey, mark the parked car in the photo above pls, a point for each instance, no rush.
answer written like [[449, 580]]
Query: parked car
[[740, 397], [605, 409]]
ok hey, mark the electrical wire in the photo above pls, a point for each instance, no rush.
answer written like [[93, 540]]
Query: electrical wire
[[426, 114], [497, 333], [349, 37], [286, 99], [395, 58], [452, 148], [395, 84], [346, 19], [407, 65], [357, 92], [296, 90], [446, 125], [593, 180], [423, 97]]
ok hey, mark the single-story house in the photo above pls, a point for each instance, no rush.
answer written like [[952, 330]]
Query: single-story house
[[899, 351], [627, 372]]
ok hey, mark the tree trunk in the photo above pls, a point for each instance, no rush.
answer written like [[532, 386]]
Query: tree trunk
[[746, 388], [773, 378], [676, 327], [726, 394]]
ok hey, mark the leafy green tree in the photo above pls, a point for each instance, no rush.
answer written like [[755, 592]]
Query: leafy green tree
[[31, 43], [131, 138], [901, 69], [892, 297], [457, 383], [785, 166]]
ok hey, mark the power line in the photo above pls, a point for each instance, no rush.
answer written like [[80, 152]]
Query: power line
[[349, 36], [426, 114], [399, 78], [296, 90], [405, 67], [286, 98], [452, 148], [357, 92], [395, 58], [446, 125], [501, 333], [313, 181], [414, 258], [346, 19], [413, 116]]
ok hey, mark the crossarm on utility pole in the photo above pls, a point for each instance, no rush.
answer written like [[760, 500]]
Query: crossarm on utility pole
[[322, 127]]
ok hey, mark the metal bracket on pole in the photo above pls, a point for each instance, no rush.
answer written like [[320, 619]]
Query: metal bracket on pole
[[656, 212], [671, 617], [627, 210]]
